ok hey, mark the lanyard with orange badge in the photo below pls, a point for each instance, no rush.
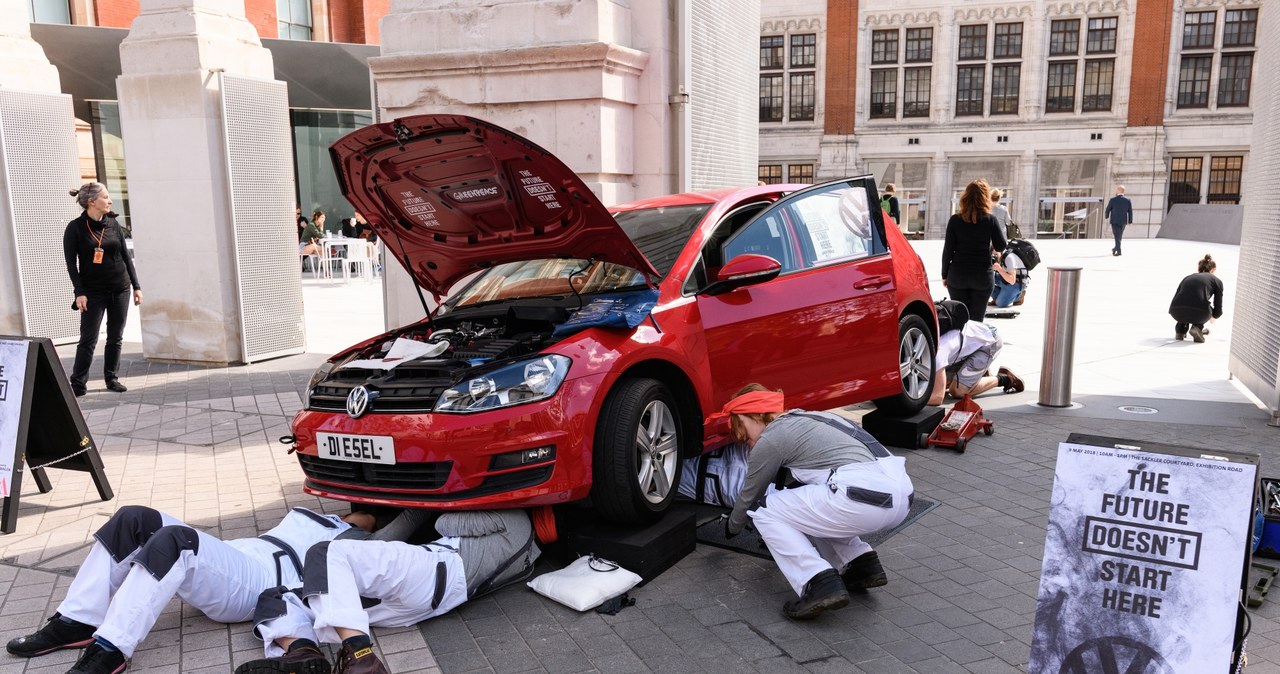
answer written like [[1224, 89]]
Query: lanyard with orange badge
[[97, 251]]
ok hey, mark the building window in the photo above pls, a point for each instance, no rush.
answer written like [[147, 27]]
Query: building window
[[1008, 41], [1005, 79], [884, 46], [49, 11], [771, 98], [771, 52], [1062, 87], [771, 174], [293, 19], [1240, 28], [884, 93], [1101, 38], [969, 89], [1184, 180], [804, 50], [1098, 75], [1193, 81], [1224, 179], [915, 92], [919, 46], [973, 43], [1064, 37], [802, 97], [1198, 30], [800, 173], [1234, 80]]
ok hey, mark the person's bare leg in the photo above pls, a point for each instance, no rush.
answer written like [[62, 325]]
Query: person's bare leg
[[939, 388]]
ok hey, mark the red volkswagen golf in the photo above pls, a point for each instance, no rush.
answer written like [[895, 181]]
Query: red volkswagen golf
[[581, 351]]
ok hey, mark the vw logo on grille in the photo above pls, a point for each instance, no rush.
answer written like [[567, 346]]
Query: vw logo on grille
[[358, 402]]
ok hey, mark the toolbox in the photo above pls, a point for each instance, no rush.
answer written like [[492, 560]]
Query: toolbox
[[904, 432], [1269, 546], [645, 550]]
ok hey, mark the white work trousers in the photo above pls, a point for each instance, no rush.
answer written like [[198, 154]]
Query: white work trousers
[[813, 528], [410, 583], [221, 579]]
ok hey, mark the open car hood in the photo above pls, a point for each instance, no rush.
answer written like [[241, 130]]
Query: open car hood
[[453, 194]]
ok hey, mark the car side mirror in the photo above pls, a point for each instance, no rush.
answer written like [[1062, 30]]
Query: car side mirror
[[744, 270]]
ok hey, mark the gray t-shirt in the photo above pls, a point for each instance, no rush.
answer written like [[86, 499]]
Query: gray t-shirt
[[795, 443], [488, 539]]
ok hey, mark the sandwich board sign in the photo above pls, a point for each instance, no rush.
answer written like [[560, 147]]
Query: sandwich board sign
[[40, 424], [1146, 554]]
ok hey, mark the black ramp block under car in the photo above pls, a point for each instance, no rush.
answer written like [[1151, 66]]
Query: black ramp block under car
[[902, 431], [645, 550]]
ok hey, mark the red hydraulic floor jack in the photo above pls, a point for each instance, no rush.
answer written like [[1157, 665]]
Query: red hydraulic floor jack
[[962, 422]]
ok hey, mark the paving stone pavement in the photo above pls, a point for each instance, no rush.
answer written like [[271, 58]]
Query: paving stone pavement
[[201, 444]]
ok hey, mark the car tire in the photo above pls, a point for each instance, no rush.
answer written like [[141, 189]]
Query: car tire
[[916, 353], [637, 456]]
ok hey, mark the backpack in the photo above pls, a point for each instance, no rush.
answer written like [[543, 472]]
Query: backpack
[[952, 315], [1026, 251], [884, 203]]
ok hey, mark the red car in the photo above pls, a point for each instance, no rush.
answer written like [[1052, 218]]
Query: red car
[[585, 358]]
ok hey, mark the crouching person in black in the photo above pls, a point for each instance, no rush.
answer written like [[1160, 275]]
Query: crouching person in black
[[850, 486], [351, 585]]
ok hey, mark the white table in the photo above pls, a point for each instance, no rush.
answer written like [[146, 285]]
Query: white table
[[357, 247]]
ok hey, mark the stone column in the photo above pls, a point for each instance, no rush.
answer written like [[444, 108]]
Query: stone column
[[38, 164], [170, 110], [1142, 169]]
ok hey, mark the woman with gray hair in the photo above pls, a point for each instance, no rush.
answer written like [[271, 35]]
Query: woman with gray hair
[[102, 274]]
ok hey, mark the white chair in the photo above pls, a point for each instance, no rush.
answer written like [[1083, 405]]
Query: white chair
[[359, 258], [331, 258], [316, 266]]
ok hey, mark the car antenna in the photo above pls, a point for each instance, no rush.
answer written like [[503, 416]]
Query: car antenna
[[404, 258]]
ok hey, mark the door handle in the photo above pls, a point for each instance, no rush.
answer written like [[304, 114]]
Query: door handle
[[872, 282]]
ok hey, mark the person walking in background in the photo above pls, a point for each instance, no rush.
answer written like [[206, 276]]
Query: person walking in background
[[1001, 214], [102, 274], [972, 233], [889, 201], [1120, 214], [1197, 301]]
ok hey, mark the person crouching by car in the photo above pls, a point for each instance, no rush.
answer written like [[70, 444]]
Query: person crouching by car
[[962, 361], [1009, 274], [849, 486]]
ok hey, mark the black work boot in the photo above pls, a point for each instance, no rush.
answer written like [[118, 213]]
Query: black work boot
[[864, 573], [362, 661], [824, 592], [55, 635], [301, 660]]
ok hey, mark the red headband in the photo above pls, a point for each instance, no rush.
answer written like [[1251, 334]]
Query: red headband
[[755, 402]]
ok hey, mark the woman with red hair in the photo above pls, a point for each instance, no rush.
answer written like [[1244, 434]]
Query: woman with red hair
[[849, 486]]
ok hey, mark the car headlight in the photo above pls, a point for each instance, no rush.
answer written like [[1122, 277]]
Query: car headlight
[[515, 384], [318, 376]]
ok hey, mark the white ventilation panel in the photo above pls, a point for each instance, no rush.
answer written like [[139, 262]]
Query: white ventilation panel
[[724, 93]]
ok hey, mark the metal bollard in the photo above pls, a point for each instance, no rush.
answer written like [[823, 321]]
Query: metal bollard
[[1059, 336]]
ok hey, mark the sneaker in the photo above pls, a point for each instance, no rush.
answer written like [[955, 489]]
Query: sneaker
[[56, 635], [363, 661], [1179, 336], [115, 385], [824, 592], [1015, 384], [303, 660], [1197, 335], [864, 573], [98, 660]]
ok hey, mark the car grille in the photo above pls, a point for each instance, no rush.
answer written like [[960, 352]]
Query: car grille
[[355, 479], [410, 390]]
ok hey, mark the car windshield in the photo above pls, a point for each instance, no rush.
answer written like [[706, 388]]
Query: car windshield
[[661, 233], [547, 278]]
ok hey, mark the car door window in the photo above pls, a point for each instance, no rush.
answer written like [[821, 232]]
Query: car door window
[[835, 225], [767, 235]]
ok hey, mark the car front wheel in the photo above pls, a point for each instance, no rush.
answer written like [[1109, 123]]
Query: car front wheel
[[636, 463], [915, 366]]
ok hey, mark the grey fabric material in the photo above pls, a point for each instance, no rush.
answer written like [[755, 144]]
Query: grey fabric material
[[161, 552], [128, 530], [401, 528], [316, 579], [464, 524], [483, 555], [793, 442], [270, 605]]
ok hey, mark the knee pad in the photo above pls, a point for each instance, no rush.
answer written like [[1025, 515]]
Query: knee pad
[[161, 552], [315, 578], [128, 530]]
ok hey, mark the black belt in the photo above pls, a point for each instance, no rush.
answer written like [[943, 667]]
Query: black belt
[[871, 497]]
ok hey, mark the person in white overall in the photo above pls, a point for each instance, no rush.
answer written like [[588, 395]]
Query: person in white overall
[[850, 486], [350, 585], [142, 558]]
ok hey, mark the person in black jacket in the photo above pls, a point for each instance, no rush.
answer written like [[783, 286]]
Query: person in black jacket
[[1119, 212], [889, 202], [966, 253], [1197, 301], [102, 273]]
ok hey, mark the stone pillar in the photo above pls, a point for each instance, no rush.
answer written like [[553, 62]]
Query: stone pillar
[[38, 164], [170, 109], [1142, 169]]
